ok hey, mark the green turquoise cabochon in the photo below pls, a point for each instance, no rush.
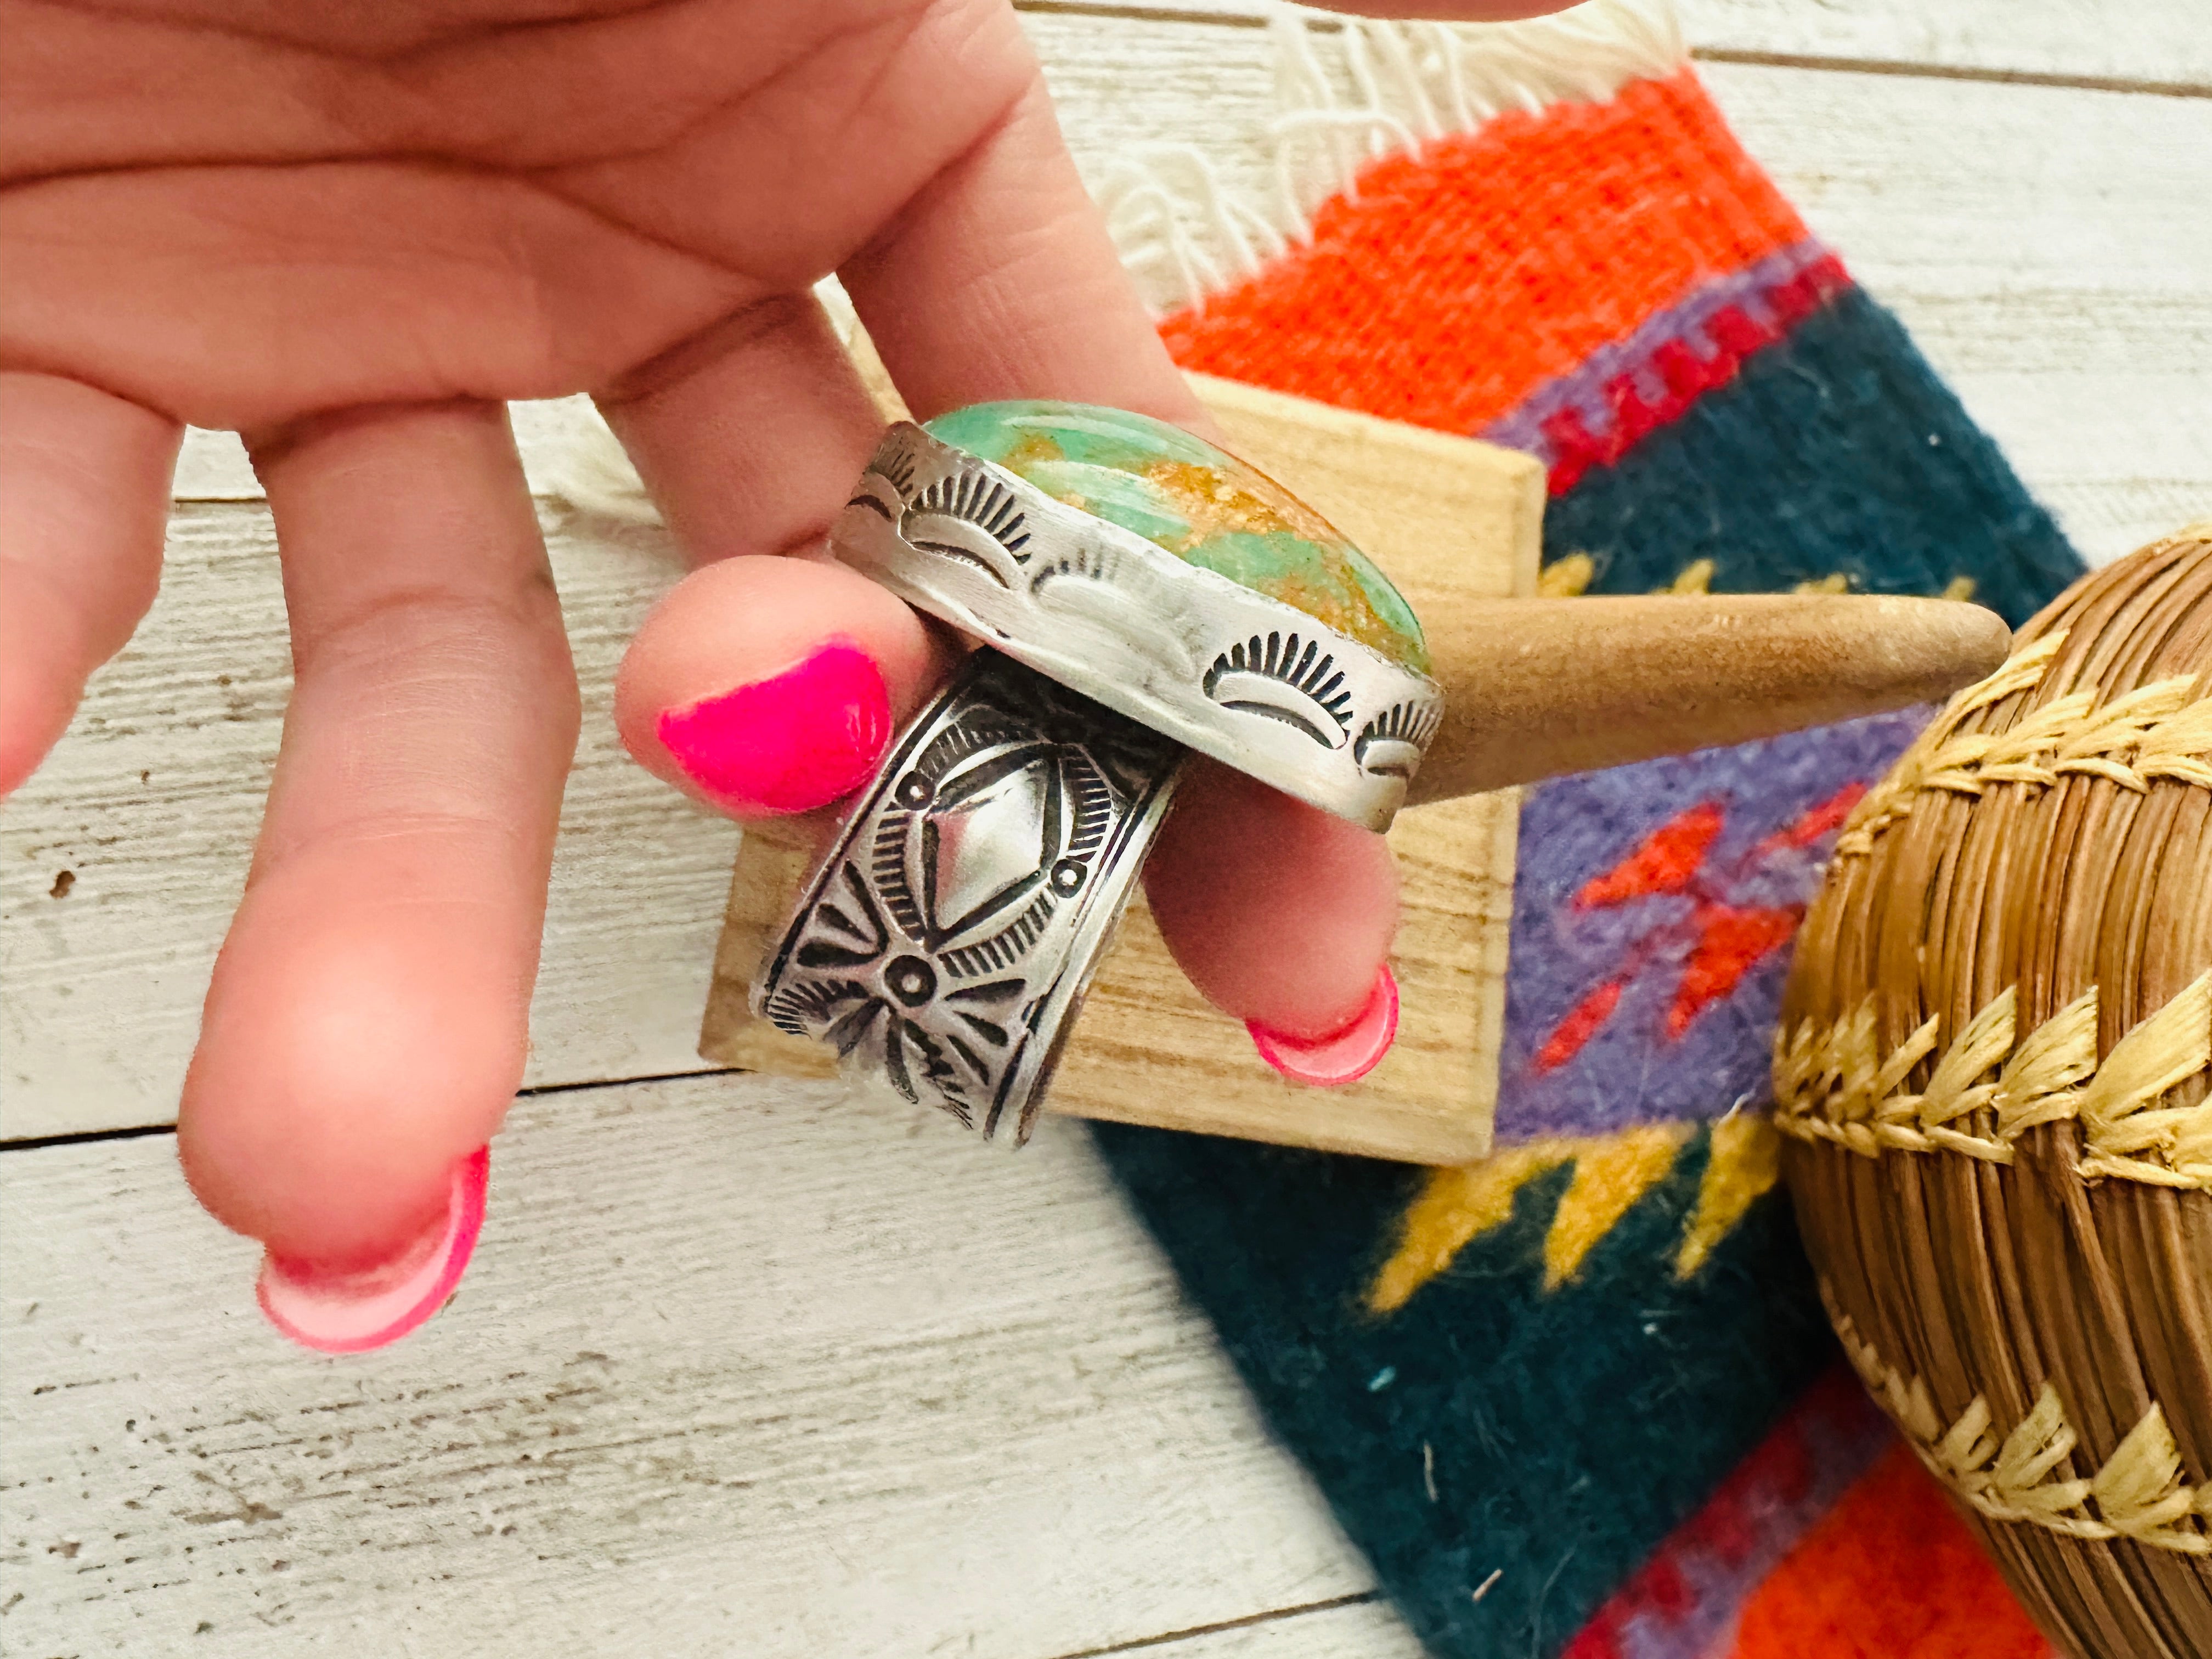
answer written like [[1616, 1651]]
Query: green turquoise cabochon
[[1200, 503]]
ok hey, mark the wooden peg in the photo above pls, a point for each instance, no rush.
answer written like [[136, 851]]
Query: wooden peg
[[1535, 688]]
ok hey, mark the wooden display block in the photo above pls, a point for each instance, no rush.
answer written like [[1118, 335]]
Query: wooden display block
[[1448, 518]]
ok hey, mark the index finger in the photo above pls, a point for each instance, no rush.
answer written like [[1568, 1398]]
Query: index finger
[[998, 279]]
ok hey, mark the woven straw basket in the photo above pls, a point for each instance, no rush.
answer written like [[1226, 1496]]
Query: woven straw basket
[[1993, 1075]]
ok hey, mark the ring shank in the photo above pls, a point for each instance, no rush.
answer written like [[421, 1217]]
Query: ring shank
[[944, 942]]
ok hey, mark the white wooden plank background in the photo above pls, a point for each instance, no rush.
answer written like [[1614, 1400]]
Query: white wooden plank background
[[2164, 43], [809, 1429], [739, 1361]]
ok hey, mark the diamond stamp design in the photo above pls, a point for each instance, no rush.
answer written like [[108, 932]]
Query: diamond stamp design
[[944, 943]]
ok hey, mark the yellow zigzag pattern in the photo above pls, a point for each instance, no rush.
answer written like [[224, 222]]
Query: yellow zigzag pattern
[[1611, 1172], [1459, 1206]]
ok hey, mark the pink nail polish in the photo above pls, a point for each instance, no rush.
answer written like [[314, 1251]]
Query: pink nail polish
[[353, 1312], [1344, 1056], [790, 743]]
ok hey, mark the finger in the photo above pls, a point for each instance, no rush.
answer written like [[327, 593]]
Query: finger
[[84, 498], [771, 687], [750, 434], [368, 1020], [766, 688], [999, 281], [1238, 863]]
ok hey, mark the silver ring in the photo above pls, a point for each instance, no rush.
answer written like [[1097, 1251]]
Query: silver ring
[[943, 942], [1220, 667]]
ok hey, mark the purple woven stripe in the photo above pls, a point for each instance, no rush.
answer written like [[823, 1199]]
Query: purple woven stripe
[[1684, 322], [1662, 1053]]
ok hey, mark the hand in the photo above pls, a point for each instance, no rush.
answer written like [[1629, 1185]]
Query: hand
[[350, 233]]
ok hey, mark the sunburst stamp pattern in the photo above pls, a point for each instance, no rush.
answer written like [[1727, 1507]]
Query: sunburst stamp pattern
[[973, 517], [1220, 665], [1392, 744], [1274, 678]]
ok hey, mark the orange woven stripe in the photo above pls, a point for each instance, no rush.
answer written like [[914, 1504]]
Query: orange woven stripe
[[1889, 1572], [1456, 280]]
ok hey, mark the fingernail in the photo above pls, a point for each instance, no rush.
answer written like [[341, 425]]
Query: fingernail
[[788, 744], [354, 1312], [1341, 1057]]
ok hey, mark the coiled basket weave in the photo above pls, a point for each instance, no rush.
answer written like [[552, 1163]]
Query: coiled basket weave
[[1992, 1076]]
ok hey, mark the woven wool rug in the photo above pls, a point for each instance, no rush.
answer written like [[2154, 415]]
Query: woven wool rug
[[1581, 1398]]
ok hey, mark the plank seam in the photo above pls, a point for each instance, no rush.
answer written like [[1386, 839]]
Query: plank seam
[[85, 1137], [138, 1132], [1907, 68], [1191, 1633], [539, 1088], [1833, 64]]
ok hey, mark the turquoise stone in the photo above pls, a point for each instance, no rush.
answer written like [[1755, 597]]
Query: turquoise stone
[[1200, 503]]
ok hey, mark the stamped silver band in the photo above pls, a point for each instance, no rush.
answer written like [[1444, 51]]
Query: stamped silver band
[[943, 942], [1255, 683]]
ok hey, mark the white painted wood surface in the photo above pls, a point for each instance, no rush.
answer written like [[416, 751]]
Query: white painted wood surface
[[809, 1429], [2155, 43], [740, 1369], [2141, 42]]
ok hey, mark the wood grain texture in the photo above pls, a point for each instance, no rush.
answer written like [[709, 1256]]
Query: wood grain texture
[[1682, 672], [1449, 518], [738, 1370], [1365, 1629], [1150, 1051], [213, 467], [2143, 43], [151, 803], [2162, 43]]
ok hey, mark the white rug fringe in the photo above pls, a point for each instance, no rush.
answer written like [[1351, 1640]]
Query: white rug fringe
[[1348, 92]]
